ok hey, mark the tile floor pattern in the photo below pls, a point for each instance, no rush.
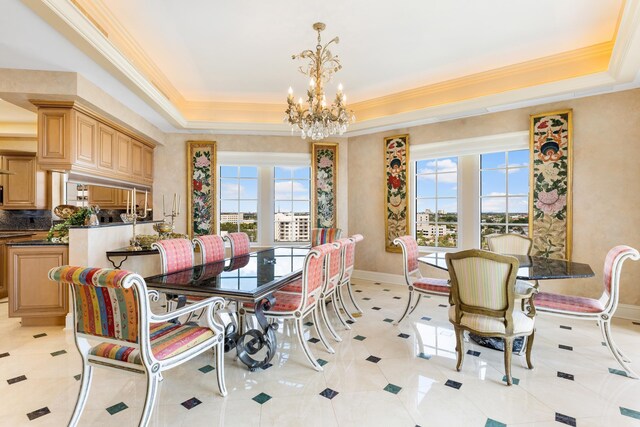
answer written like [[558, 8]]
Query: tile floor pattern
[[380, 375]]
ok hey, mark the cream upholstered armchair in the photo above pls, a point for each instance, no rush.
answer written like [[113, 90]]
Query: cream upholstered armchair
[[111, 308], [483, 298], [601, 309]]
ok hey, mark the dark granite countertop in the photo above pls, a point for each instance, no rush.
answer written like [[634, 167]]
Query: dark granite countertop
[[37, 243], [10, 234], [114, 224]]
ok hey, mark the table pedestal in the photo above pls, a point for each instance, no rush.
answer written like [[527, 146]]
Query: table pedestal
[[497, 343]]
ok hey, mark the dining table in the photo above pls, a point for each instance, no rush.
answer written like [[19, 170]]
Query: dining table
[[251, 278], [530, 268]]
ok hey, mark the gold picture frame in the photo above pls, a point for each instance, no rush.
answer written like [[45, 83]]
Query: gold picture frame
[[324, 184], [551, 183], [201, 188], [396, 195]]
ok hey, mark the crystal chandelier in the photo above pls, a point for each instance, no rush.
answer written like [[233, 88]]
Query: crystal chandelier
[[316, 119]]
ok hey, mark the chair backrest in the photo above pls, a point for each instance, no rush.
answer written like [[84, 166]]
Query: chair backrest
[[175, 254], [320, 236], [313, 272], [483, 282], [211, 247], [409, 254], [240, 243], [511, 244], [611, 275], [334, 260], [107, 304]]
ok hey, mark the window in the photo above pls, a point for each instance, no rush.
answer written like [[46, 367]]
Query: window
[[292, 202], [436, 213], [239, 200], [504, 193]]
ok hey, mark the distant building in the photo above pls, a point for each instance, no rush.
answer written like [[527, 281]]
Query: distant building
[[232, 217], [431, 230], [292, 228]]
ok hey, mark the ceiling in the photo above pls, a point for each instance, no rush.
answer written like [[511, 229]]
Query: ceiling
[[240, 51], [224, 67]]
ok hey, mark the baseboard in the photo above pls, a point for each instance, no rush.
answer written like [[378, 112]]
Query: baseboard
[[628, 311], [624, 311], [375, 276]]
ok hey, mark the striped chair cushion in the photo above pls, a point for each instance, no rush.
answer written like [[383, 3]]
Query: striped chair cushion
[[175, 254], [477, 322], [481, 282], [240, 244], [440, 286], [320, 236], [285, 301], [553, 302], [167, 340], [212, 246], [511, 244]]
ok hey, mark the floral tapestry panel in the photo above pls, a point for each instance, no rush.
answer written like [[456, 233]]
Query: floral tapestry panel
[[396, 160], [201, 188], [550, 205], [325, 171]]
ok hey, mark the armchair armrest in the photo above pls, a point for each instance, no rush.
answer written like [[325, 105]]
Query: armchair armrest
[[524, 289], [212, 303]]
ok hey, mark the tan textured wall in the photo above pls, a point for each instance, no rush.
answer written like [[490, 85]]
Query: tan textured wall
[[171, 165], [605, 196]]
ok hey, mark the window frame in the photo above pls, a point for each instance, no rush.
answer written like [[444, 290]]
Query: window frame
[[292, 179]]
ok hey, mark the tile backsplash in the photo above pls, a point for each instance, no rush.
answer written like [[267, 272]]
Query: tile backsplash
[[25, 219]]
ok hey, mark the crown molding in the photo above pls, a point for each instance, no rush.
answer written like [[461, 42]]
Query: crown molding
[[565, 75], [18, 130]]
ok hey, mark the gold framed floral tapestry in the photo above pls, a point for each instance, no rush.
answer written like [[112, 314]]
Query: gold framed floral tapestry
[[324, 200], [396, 208], [201, 188], [550, 204]]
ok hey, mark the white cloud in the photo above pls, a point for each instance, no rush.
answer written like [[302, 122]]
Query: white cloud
[[283, 190]]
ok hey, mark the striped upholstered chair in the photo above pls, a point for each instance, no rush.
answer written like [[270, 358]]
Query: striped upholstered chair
[[483, 301], [240, 243], [602, 309], [211, 248], [291, 305], [320, 236], [115, 329], [417, 284]]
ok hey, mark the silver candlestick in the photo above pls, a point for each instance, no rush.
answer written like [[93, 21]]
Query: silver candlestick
[[133, 216]]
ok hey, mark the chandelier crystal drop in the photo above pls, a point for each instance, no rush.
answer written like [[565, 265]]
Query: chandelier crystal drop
[[317, 119]]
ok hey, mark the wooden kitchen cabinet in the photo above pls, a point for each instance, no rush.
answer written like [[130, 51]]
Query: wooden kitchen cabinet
[[107, 145], [105, 197], [86, 136], [27, 188], [137, 168], [32, 295], [3, 261], [124, 155]]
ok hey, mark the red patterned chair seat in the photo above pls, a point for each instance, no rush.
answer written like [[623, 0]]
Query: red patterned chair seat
[[167, 340], [433, 285], [285, 301], [567, 303], [296, 286]]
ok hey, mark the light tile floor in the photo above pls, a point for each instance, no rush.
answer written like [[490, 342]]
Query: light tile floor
[[410, 380]]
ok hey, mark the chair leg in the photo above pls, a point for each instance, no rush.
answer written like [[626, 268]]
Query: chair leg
[[605, 327], [352, 297], [508, 349], [220, 368], [459, 347], [336, 309], [316, 325], [406, 310], [325, 318], [417, 302], [529, 348], [150, 398], [83, 393], [340, 298], [305, 346], [616, 349]]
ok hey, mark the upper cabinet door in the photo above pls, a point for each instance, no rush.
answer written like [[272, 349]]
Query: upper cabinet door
[[107, 148], [86, 134], [137, 168], [54, 139], [147, 163], [124, 155], [20, 189]]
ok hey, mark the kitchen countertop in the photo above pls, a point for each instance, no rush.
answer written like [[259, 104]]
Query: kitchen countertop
[[36, 243]]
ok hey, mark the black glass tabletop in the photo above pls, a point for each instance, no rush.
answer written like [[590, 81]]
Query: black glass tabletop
[[531, 267], [248, 277]]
